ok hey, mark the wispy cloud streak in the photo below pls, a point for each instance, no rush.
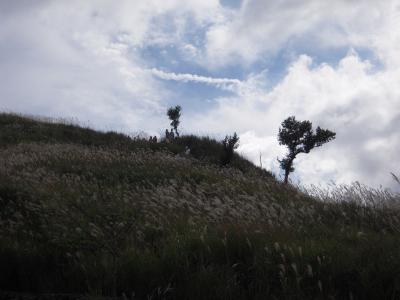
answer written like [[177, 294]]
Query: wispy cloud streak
[[226, 83]]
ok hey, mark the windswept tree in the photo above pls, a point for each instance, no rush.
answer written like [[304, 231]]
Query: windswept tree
[[229, 144], [174, 113], [299, 137]]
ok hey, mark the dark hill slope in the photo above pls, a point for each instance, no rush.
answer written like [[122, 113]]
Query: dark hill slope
[[101, 213]]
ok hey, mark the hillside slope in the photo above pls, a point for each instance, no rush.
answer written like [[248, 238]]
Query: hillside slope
[[60, 161], [102, 213]]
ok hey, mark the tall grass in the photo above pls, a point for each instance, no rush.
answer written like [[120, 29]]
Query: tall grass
[[94, 217], [367, 207]]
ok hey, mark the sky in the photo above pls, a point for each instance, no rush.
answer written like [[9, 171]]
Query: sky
[[233, 65]]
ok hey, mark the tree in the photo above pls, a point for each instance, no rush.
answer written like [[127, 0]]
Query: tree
[[174, 113], [299, 137], [229, 144]]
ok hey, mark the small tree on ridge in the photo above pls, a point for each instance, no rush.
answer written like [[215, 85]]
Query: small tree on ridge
[[174, 113], [229, 144], [299, 137]]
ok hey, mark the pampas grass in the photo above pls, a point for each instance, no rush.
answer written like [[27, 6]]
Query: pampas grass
[[145, 219]]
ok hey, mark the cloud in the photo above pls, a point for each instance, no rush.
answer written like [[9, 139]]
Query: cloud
[[261, 29], [350, 99], [226, 83], [83, 59]]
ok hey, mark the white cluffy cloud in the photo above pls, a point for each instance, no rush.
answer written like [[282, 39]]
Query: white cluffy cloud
[[261, 28], [359, 104], [83, 58]]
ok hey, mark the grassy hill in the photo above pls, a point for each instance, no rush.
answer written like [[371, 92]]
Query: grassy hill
[[95, 213]]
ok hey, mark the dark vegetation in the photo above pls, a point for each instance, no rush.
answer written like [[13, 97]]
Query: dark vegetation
[[299, 137], [17, 129], [229, 144], [104, 214], [174, 113]]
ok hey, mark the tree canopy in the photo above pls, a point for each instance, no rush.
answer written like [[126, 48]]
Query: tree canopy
[[229, 144], [174, 113], [299, 137]]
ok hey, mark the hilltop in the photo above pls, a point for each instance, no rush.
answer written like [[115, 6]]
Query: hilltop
[[102, 213]]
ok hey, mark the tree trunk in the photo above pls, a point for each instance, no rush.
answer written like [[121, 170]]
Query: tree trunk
[[288, 169], [286, 176]]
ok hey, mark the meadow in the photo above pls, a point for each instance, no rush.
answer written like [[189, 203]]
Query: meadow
[[101, 214]]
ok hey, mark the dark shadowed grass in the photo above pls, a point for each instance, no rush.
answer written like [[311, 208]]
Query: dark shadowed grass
[[219, 263], [19, 129]]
